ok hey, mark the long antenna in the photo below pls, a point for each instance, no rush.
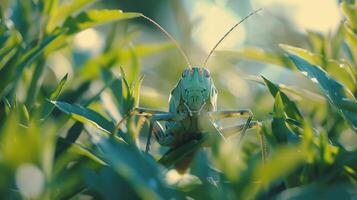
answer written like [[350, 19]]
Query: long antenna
[[227, 33], [170, 37]]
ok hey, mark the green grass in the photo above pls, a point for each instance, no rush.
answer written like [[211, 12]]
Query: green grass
[[59, 138]]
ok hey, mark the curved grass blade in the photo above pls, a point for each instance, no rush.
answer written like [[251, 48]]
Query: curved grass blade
[[281, 132], [72, 135], [349, 10], [140, 171], [48, 107], [12, 71], [338, 69], [290, 107], [62, 12], [86, 115], [93, 18], [333, 90]]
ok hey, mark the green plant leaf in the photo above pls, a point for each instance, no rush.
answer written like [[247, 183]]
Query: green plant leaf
[[34, 53], [303, 53], [340, 70], [351, 40], [48, 6], [350, 12], [12, 70], [334, 91], [106, 182], [93, 18], [281, 132], [291, 156], [290, 107], [327, 192], [68, 179], [348, 105], [86, 115], [64, 11], [115, 87], [140, 171], [79, 150], [71, 137], [9, 44], [48, 106]]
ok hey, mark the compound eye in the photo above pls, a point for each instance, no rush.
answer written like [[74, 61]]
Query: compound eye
[[206, 73], [186, 72]]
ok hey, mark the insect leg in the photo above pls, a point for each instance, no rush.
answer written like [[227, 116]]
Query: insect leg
[[229, 131], [159, 134], [211, 130], [235, 113], [154, 116], [147, 147]]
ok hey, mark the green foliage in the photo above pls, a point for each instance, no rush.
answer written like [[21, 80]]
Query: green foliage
[[76, 135]]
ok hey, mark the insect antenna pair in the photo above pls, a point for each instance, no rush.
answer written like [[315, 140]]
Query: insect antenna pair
[[182, 52]]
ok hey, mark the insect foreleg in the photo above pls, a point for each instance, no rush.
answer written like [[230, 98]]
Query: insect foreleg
[[229, 131], [154, 116], [232, 130], [211, 130], [159, 134], [235, 113]]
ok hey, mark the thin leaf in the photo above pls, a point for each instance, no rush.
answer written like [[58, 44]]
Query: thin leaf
[[137, 169], [64, 11], [26, 60], [273, 169], [71, 137], [11, 42], [337, 69], [351, 40], [93, 18], [86, 115], [281, 132], [290, 107], [333, 90], [349, 10], [48, 107]]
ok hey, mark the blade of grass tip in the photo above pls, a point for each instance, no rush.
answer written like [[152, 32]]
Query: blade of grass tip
[[48, 106]]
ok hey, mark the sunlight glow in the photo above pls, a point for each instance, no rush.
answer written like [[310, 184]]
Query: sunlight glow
[[89, 40], [316, 15], [29, 180], [213, 21], [60, 65]]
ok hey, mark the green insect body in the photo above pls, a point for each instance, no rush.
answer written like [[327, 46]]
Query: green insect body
[[193, 118], [194, 94], [192, 115]]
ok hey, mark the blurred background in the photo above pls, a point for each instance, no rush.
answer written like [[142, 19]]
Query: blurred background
[[140, 48], [256, 48], [197, 26]]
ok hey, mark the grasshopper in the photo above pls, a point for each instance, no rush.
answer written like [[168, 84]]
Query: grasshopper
[[193, 116]]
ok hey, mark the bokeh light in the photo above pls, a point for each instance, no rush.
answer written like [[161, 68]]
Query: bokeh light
[[29, 180]]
